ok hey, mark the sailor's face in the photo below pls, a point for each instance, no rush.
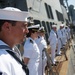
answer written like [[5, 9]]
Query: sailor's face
[[19, 31], [61, 27], [54, 28], [35, 34]]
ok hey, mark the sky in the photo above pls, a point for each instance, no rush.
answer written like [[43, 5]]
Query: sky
[[71, 2]]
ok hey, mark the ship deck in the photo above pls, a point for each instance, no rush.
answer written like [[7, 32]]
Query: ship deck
[[66, 67], [71, 61]]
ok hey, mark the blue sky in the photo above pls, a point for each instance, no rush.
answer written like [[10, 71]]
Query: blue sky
[[71, 2]]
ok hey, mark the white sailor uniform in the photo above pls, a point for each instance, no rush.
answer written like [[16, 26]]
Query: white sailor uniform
[[53, 43], [69, 34], [8, 63], [43, 60], [59, 41], [64, 39], [31, 51]]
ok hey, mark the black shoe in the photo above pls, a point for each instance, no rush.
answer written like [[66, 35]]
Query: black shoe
[[58, 54], [54, 64], [55, 50]]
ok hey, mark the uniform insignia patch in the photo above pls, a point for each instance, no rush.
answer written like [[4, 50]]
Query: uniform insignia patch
[[31, 41]]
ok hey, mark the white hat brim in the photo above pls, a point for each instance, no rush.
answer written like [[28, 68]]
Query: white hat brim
[[54, 26], [62, 25], [34, 26], [13, 15]]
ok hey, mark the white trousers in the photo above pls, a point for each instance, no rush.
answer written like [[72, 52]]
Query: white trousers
[[59, 46], [53, 48], [42, 65]]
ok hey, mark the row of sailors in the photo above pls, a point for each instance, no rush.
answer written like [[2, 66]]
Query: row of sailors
[[34, 56], [58, 38]]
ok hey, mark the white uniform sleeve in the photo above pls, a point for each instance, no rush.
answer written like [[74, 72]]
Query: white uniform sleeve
[[28, 51], [44, 44], [52, 39]]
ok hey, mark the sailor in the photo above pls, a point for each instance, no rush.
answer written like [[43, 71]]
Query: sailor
[[63, 32], [68, 32], [41, 42], [53, 42], [31, 50], [13, 30], [59, 33]]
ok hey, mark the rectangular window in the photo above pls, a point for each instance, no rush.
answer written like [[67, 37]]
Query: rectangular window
[[50, 9], [21, 4], [48, 27], [48, 14], [46, 35], [37, 22], [59, 16]]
